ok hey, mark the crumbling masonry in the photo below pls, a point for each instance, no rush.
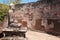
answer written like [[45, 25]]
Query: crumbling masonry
[[36, 15]]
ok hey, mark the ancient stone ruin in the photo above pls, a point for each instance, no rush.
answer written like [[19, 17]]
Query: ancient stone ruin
[[42, 15]]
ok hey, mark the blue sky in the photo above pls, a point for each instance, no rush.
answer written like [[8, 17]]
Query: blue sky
[[26, 1], [23, 1]]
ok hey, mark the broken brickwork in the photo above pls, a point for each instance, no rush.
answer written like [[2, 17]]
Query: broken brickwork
[[32, 14]]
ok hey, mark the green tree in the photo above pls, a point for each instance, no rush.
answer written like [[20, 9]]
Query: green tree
[[13, 1], [3, 10], [17, 1]]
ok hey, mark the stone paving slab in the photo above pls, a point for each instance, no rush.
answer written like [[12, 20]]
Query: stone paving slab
[[31, 35]]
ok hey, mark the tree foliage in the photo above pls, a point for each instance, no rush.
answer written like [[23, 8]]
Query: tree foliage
[[17, 1], [13, 1], [3, 10]]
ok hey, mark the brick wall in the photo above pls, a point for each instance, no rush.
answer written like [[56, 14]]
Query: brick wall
[[30, 14]]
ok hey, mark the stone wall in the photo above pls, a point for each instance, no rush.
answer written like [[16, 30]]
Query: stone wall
[[30, 14]]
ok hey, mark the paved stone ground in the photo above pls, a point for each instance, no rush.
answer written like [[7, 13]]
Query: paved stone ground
[[31, 35]]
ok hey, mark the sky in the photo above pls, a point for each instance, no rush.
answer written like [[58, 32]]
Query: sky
[[26, 1], [23, 1]]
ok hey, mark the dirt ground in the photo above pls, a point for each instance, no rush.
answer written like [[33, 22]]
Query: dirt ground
[[31, 35]]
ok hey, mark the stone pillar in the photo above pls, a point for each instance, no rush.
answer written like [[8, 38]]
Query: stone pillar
[[11, 12], [5, 22]]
